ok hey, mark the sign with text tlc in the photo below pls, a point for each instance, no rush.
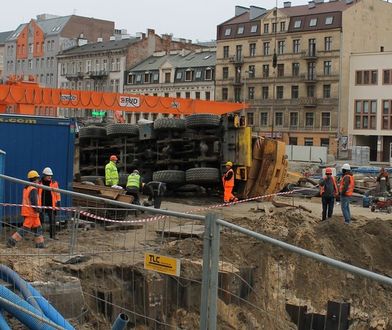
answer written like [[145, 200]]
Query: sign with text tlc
[[162, 264]]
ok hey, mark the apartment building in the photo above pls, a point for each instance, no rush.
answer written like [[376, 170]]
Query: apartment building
[[370, 104], [3, 38], [291, 65], [32, 48], [179, 74]]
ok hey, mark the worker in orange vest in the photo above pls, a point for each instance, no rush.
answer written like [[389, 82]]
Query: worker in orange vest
[[346, 190], [30, 214], [228, 184], [328, 191], [50, 199]]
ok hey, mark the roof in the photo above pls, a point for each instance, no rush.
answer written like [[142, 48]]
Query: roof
[[16, 33], [4, 36], [53, 26], [100, 47], [320, 8], [194, 59]]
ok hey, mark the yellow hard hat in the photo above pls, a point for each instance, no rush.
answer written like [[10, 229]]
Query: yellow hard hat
[[229, 164], [32, 174]]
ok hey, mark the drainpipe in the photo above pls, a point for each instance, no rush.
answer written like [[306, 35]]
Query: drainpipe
[[340, 92]]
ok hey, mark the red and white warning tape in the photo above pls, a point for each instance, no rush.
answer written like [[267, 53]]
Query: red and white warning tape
[[154, 218]]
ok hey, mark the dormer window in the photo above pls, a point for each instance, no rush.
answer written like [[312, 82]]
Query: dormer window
[[329, 20], [179, 75], [253, 29], [208, 74], [227, 32], [297, 24], [240, 30], [313, 22], [189, 75]]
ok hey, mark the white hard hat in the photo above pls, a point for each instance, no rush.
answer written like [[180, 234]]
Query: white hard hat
[[47, 171], [346, 167]]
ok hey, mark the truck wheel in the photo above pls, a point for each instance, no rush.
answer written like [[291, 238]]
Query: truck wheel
[[202, 120], [202, 175], [92, 132], [177, 124], [169, 176], [117, 130]]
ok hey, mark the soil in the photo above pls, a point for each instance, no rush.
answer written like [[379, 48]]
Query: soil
[[271, 276]]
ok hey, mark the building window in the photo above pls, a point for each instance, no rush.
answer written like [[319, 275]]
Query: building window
[[265, 70], [250, 118], [309, 119], [308, 142], [225, 72], [366, 77], [208, 74], [167, 77], [237, 94], [293, 119], [189, 75], [294, 92], [227, 32], [187, 95], [279, 92], [310, 91], [251, 93], [30, 64], [327, 68], [281, 47], [266, 48], [147, 77], [328, 20], [238, 52], [296, 46], [297, 24], [225, 51], [252, 49], [282, 26], [274, 27], [325, 119], [197, 95], [253, 29], [178, 95], [240, 30], [278, 118], [327, 44], [156, 77], [252, 71], [365, 114], [293, 141], [208, 96], [313, 22], [280, 70], [198, 74], [327, 91], [295, 69], [266, 28], [225, 93], [387, 77], [264, 119], [386, 114], [264, 90], [118, 65], [324, 142], [31, 48], [178, 75], [312, 47]]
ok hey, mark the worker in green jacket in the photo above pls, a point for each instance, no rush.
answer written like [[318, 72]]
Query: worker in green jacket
[[134, 186], [111, 173]]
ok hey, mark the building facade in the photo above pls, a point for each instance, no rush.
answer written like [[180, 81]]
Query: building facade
[[291, 65], [3, 38], [370, 104], [179, 74]]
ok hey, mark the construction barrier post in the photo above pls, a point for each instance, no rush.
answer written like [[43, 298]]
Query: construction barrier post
[[75, 225]]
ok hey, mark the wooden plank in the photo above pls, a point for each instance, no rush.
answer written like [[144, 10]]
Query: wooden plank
[[109, 194]]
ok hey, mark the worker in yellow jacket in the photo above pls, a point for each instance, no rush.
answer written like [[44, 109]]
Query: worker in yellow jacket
[[111, 172]]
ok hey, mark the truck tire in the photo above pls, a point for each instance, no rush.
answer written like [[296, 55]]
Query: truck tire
[[202, 120], [169, 176], [117, 130], [202, 175], [92, 132], [177, 124]]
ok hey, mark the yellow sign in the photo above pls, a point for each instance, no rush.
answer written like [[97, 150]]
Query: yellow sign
[[162, 264]]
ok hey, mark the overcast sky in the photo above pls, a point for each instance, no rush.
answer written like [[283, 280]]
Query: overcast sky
[[190, 19]]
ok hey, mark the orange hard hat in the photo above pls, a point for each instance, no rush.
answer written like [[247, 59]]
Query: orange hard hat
[[328, 170], [113, 158]]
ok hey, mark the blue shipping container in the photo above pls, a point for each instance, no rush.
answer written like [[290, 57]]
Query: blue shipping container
[[2, 163], [33, 142]]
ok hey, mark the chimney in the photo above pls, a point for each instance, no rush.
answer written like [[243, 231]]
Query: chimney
[[150, 32], [239, 10], [256, 12], [287, 4], [100, 39], [311, 4]]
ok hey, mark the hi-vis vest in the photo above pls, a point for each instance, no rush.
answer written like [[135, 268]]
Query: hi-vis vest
[[27, 210], [350, 188], [111, 174], [228, 183], [55, 195], [335, 187], [133, 181]]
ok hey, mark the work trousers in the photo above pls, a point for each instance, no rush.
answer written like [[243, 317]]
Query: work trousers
[[52, 221], [328, 204], [135, 193], [345, 205], [228, 194]]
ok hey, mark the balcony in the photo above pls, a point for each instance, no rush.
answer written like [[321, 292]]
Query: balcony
[[236, 59], [98, 74], [74, 75], [309, 102], [237, 82], [309, 77], [310, 54]]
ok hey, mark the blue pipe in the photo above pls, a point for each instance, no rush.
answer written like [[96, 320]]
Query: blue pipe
[[3, 323], [11, 277], [26, 319], [121, 322], [33, 296]]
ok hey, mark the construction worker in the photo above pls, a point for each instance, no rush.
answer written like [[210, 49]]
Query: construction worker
[[155, 190], [134, 186], [383, 181], [228, 184], [346, 190], [328, 191], [31, 222], [49, 199], [111, 172]]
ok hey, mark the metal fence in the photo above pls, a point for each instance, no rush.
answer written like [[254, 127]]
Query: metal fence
[[102, 263]]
